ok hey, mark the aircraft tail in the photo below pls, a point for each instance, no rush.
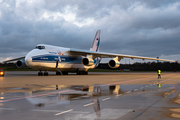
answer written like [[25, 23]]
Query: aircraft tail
[[95, 45]]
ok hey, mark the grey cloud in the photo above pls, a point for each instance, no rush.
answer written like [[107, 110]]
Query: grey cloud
[[135, 27], [159, 3]]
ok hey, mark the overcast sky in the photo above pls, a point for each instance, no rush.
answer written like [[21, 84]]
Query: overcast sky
[[147, 28]]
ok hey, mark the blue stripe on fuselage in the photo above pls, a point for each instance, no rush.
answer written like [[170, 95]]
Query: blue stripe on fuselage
[[63, 59], [51, 58]]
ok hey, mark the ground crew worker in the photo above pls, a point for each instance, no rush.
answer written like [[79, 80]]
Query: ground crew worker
[[159, 74]]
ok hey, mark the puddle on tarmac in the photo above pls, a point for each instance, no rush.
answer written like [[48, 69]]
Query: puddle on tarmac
[[176, 111], [51, 95], [41, 95]]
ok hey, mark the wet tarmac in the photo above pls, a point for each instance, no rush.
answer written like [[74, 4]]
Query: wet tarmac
[[112, 101]]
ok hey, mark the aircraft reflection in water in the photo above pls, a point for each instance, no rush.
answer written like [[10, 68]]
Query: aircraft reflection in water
[[115, 89], [95, 101], [97, 107], [81, 92]]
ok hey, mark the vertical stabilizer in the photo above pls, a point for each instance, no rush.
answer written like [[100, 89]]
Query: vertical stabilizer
[[95, 45]]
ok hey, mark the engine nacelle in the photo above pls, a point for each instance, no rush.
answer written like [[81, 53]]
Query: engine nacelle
[[87, 61], [21, 63], [114, 64]]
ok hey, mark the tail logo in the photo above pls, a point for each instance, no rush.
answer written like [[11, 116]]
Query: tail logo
[[95, 45]]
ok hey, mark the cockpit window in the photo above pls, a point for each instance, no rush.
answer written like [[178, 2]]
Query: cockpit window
[[40, 47]]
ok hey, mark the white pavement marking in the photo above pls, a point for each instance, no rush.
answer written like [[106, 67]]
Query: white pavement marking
[[64, 112], [47, 111], [128, 92], [141, 87], [106, 99], [86, 96], [88, 104], [76, 98], [58, 111], [135, 89], [118, 95], [7, 108]]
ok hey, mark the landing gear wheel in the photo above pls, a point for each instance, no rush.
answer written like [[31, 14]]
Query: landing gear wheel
[[86, 73], [58, 73], [65, 73], [46, 74], [82, 73], [40, 73]]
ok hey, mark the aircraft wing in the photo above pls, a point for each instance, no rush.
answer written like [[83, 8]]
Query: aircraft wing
[[111, 55], [13, 59]]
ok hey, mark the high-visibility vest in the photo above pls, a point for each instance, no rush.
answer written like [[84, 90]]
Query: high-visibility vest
[[159, 71]]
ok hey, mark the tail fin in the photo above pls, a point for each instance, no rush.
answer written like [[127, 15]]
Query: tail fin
[[95, 45]]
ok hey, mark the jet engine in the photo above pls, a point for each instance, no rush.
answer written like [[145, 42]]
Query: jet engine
[[114, 64], [21, 63], [87, 61]]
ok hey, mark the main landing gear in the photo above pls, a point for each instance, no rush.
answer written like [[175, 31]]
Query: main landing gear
[[41, 73], [82, 73], [63, 73]]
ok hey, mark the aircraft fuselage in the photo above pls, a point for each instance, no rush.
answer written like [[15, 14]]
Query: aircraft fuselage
[[44, 58]]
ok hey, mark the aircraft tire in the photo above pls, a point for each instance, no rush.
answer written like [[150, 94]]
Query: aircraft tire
[[65, 73], [86, 73], [58, 73], [40, 73], [46, 74], [82, 73]]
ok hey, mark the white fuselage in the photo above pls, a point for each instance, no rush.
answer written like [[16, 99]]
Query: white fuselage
[[45, 57]]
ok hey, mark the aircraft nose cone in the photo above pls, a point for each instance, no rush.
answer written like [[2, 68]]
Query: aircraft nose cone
[[28, 60]]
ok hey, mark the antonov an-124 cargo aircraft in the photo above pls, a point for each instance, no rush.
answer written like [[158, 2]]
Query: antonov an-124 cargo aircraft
[[63, 60]]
